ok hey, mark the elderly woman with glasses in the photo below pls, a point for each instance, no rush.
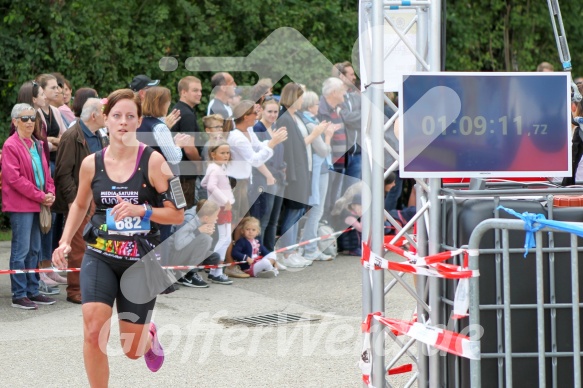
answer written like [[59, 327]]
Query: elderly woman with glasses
[[26, 184]]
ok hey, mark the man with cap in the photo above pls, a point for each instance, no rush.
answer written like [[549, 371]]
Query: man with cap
[[142, 82]]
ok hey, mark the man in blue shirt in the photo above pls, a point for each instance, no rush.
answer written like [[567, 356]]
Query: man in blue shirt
[[77, 142]]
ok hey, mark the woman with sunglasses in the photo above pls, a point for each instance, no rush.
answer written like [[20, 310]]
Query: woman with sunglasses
[[26, 184], [32, 93]]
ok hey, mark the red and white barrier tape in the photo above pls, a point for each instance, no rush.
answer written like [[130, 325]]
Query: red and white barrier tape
[[428, 266], [365, 363], [177, 267], [405, 368], [173, 267], [446, 340], [370, 260], [428, 260]]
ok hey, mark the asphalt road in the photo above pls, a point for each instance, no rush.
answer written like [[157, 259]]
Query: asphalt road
[[203, 348]]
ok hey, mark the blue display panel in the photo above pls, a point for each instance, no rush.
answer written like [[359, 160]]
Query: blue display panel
[[485, 125]]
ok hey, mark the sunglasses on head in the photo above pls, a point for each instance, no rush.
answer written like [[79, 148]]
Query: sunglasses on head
[[25, 119]]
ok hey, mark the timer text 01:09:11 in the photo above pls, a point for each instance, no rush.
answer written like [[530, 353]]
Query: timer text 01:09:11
[[477, 126]]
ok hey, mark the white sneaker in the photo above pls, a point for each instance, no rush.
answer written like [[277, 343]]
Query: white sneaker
[[317, 255], [292, 262], [280, 266], [270, 273], [301, 260], [308, 262]]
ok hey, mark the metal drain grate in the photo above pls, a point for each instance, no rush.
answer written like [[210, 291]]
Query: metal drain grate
[[269, 319]]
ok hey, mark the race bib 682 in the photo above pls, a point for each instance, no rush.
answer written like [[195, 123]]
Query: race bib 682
[[126, 224]]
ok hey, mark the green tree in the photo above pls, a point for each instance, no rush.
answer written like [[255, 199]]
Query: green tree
[[509, 35], [105, 44]]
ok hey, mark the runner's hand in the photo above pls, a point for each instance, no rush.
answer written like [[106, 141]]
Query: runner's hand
[[60, 256]]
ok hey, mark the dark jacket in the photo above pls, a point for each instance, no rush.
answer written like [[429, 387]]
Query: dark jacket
[[187, 124], [351, 112], [145, 133], [243, 250], [72, 150], [577, 153], [295, 154], [338, 143]]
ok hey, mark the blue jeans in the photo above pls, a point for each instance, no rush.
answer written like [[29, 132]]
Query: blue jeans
[[314, 216], [392, 197], [270, 219], [354, 165], [335, 190], [24, 253], [290, 227]]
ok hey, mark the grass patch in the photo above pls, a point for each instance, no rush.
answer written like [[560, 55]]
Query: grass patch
[[5, 235]]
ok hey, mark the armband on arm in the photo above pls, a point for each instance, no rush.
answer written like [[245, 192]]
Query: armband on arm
[[174, 193]]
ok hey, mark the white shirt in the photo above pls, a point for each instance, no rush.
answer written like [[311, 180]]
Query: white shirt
[[246, 154]]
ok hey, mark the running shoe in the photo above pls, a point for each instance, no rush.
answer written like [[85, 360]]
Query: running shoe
[[270, 273], [41, 299], [193, 280], [155, 356], [220, 279], [44, 289], [24, 303]]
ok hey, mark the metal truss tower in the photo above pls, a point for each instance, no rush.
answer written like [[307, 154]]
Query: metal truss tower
[[376, 16]]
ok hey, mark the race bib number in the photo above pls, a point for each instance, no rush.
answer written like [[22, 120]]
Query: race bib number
[[127, 225]]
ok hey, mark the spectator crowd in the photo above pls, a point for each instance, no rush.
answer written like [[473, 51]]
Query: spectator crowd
[[262, 173]]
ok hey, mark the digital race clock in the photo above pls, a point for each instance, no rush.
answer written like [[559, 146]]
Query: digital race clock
[[485, 125]]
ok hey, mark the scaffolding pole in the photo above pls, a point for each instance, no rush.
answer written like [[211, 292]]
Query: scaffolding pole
[[427, 52], [377, 188]]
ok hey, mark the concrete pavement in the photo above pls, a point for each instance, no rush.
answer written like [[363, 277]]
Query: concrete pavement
[[44, 347]]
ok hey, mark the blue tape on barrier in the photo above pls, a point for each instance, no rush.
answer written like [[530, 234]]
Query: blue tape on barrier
[[393, 7], [406, 3], [567, 65], [530, 219]]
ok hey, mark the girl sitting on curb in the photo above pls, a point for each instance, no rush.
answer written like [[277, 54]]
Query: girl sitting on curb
[[249, 249]]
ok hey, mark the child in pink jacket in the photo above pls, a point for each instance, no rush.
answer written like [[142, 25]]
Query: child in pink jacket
[[219, 190]]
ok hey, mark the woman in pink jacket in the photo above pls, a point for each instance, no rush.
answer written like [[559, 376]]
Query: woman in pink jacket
[[26, 184]]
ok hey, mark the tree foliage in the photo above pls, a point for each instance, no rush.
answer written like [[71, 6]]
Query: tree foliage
[[105, 44], [509, 35]]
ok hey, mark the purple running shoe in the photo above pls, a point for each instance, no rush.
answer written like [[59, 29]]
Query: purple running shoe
[[155, 356]]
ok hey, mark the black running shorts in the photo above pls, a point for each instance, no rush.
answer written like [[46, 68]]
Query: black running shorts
[[100, 282]]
